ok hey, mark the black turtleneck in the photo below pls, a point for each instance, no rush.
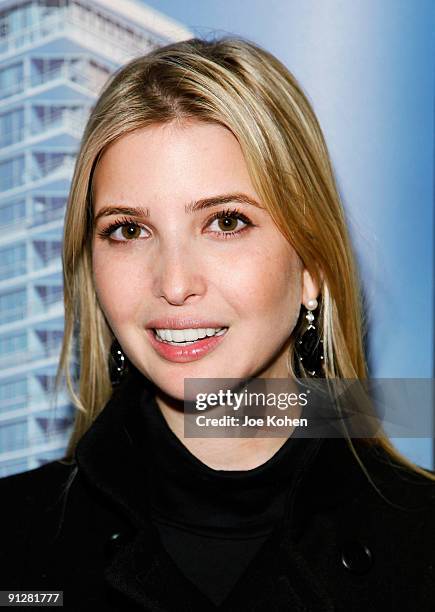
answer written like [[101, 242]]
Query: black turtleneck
[[212, 522]]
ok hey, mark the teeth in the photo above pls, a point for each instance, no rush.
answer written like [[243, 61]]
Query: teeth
[[183, 336]]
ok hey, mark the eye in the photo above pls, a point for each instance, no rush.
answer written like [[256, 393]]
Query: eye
[[124, 230], [227, 222], [130, 231]]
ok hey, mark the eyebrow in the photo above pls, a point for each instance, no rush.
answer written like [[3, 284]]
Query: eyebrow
[[192, 207]]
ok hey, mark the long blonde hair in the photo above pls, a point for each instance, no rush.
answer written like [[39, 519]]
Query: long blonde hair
[[235, 83]]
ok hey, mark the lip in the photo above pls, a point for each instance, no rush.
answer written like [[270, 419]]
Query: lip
[[184, 323], [183, 354]]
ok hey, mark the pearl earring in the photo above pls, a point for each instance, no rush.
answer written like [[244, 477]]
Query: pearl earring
[[309, 347], [312, 304]]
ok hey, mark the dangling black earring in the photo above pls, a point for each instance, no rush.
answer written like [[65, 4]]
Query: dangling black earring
[[309, 347], [118, 364]]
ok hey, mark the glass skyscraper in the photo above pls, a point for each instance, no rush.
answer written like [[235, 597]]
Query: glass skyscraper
[[55, 56]]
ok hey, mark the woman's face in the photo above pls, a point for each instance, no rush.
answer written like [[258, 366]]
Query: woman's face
[[160, 259]]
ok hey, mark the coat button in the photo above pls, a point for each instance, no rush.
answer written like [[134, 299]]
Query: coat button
[[114, 542], [356, 557]]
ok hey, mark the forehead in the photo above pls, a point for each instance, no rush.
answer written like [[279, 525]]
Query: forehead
[[173, 160]]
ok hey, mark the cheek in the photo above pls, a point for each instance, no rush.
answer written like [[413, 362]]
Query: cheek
[[267, 282], [118, 286]]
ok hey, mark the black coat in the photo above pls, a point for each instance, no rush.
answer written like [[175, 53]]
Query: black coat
[[83, 529]]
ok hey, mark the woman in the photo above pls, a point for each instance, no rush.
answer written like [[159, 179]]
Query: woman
[[205, 238]]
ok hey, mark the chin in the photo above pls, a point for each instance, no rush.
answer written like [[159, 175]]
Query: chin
[[174, 392], [205, 383]]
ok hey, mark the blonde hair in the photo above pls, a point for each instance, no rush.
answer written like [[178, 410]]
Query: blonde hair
[[235, 83]]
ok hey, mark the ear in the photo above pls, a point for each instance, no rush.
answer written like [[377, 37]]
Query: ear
[[310, 288]]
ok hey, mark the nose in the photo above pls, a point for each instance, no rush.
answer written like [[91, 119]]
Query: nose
[[178, 275]]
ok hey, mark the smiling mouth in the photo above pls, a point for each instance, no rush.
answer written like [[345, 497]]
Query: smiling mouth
[[221, 332]]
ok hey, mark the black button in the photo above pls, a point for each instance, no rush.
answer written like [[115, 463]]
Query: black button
[[356, 557], [114, 542]]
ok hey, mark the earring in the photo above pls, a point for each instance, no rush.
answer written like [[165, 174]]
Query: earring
[[118, 365], [309, 347]]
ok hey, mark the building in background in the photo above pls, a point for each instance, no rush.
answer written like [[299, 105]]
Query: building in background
[[55, 55]]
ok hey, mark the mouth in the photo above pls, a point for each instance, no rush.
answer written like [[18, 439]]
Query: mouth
[[219, 332], [187, 350]]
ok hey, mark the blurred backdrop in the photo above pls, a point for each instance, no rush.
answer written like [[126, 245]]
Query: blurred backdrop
[[367, 67]]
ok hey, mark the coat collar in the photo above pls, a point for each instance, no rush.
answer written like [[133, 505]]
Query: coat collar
[[106, 455], [106, 458]]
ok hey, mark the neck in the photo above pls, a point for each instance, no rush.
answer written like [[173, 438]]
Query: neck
[[224, 453]]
